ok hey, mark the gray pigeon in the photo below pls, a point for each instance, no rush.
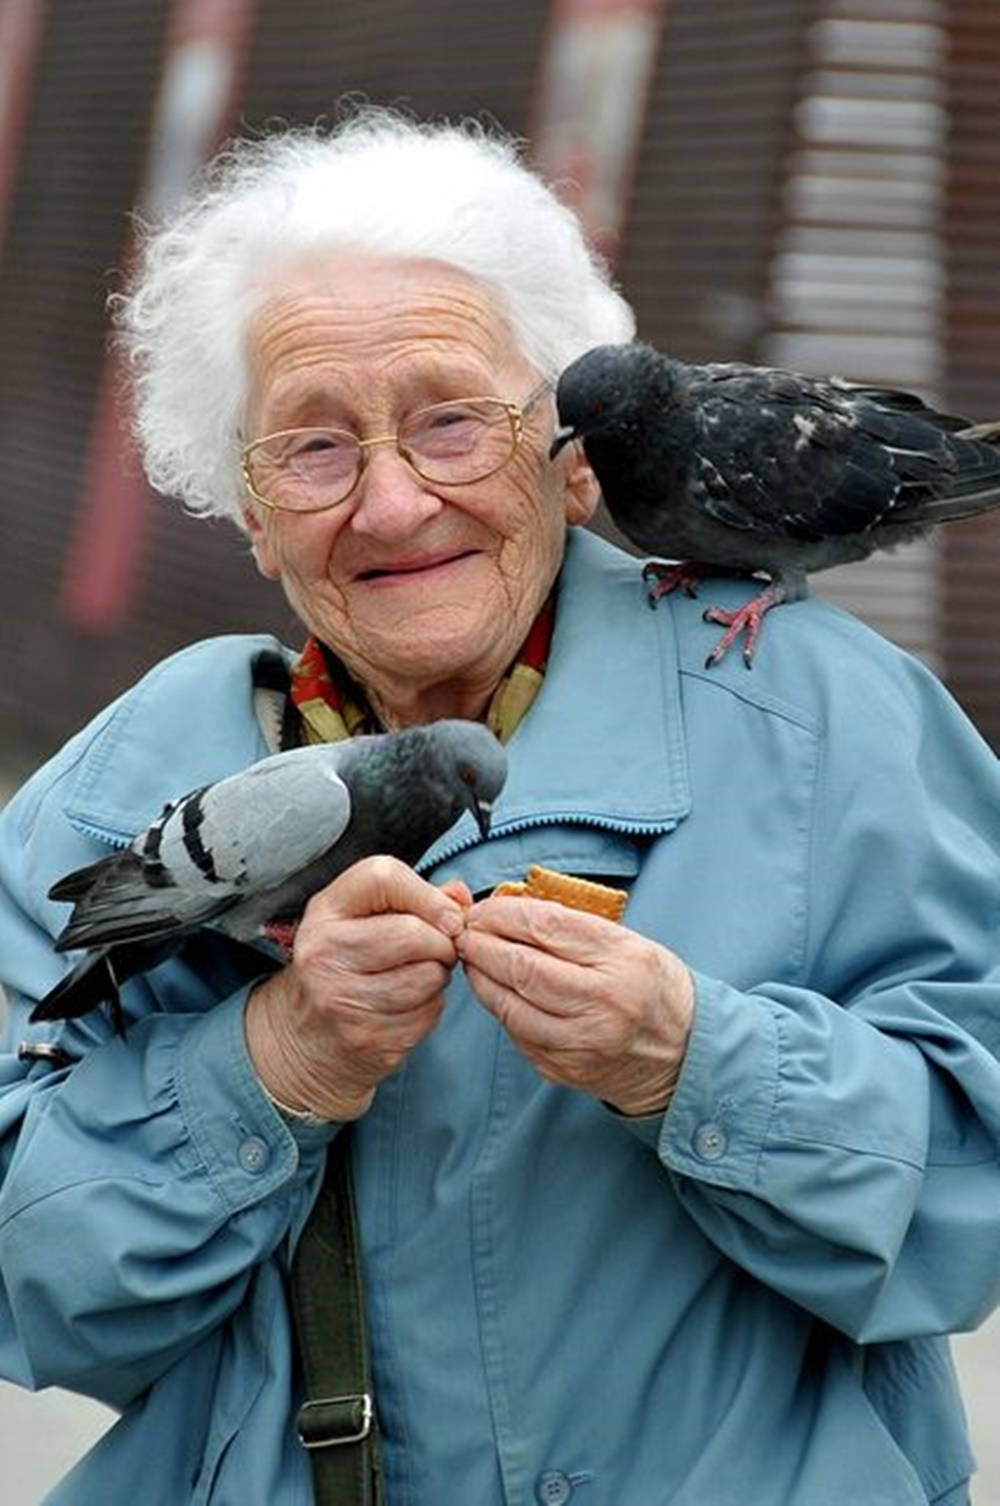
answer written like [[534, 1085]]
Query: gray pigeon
[[749, 470], [244, 855]]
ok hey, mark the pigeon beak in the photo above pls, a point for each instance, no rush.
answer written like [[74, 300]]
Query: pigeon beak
[[560, 439], [483, 811]]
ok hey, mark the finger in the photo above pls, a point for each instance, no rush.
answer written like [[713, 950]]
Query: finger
[[550, 983], [397, 986], [381, 885], [369, 943], [459, 892], [573, 934], [534, 1029], [374, 997], [377, 1046], [378, 1006]]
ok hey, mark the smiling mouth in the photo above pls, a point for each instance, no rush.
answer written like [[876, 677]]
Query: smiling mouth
[[407, 568]]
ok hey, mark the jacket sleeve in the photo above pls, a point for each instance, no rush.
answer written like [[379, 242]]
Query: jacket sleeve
[[838, 1134], [142, 1183]]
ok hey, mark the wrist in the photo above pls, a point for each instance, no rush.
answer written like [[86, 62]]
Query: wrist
[[649, 1087], [292, 1115], [285, 1077]]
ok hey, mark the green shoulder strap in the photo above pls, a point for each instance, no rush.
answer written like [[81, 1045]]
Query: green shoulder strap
[[336, 1422]]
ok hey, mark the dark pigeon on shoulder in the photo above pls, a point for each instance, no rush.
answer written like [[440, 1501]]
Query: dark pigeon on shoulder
[[245, 854], [752, 470]]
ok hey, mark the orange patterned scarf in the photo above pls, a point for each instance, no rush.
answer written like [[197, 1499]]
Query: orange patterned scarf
[[332, 707]]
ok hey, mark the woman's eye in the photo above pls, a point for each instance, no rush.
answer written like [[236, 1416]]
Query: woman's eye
[[449, 418], [317, 443], [445, 427]]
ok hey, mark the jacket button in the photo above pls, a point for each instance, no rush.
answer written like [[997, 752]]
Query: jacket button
[[253, 1154], [553, 1488], [710, 1142]]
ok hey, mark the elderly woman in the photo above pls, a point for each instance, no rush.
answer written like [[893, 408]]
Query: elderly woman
[[675, 1210]]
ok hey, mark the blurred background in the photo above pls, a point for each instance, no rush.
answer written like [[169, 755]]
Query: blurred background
[[813, 183]]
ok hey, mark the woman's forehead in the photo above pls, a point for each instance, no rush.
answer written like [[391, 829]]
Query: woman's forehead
[[368, 321], [380, 299]]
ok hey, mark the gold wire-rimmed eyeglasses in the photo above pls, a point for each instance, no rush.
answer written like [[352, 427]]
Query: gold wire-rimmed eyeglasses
[[449, 444]]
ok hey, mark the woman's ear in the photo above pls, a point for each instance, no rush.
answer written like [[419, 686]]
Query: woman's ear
[[263, 552], [582, 491]]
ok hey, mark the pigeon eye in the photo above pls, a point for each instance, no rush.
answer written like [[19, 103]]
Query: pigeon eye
[[466, 773]]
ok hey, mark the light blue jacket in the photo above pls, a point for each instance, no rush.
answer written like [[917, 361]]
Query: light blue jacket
[[737, 1302]]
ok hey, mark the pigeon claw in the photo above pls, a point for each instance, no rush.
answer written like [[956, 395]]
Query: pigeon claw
[[282, 934], [661, 579], [747, 620]]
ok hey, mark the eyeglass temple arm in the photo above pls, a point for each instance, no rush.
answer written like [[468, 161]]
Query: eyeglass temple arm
[[536, 394]]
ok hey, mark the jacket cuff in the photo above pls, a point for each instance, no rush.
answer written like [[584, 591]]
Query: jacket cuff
[[716, 1125], [248, 1150]]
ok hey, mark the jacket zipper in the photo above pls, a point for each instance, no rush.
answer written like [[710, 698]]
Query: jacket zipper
[[525, 823]]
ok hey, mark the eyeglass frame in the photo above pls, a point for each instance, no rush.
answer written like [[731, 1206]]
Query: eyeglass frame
[[515, 412]]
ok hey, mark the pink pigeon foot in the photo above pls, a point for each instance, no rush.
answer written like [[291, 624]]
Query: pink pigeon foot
[[661, 579], [747, 619], [282, 933]]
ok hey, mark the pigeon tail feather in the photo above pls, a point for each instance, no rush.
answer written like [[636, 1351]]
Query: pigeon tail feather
[[931, 510], [132, 918], [114, 902], [73, 886], [90, 983]]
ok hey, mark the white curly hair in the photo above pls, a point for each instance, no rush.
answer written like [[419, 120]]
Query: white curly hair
[[377, 182]]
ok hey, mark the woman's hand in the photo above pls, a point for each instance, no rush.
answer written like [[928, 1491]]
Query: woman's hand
[[591, 1004], [370, 963]]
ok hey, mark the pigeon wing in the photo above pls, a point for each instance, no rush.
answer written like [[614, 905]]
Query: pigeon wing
[[213, 849], [251, 831], [918, 459], [782, 456]]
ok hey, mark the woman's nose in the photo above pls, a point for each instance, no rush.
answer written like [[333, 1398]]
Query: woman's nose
[[392, 499]]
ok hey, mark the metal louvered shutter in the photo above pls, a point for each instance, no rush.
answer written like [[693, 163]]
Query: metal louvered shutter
[[857, 275], [970, 551], [695, 259], [707, 186]]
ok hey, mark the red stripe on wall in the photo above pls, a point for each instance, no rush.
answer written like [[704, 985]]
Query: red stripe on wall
[[597, 66], [201, 84]]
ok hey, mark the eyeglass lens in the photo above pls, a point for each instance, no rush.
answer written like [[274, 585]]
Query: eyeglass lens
[[449, 443]]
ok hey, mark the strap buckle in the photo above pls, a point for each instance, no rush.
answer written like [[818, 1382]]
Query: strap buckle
[[43, 1051], [330, 1421]]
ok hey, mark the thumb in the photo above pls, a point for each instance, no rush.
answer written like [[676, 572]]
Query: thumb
[[383, 885], [459, 892]]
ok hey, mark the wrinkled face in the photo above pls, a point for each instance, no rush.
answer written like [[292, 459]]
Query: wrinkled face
[[412, 583]]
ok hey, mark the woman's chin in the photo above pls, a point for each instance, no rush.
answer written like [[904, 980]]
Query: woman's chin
[[429, 641]]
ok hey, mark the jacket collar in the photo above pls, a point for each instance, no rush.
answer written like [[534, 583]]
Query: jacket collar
[[603, 745], [187, 723]]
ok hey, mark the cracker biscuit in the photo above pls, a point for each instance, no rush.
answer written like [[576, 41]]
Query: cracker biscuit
[[576, 893]]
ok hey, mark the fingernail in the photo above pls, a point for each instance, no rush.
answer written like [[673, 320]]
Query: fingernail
[[453, 922]]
